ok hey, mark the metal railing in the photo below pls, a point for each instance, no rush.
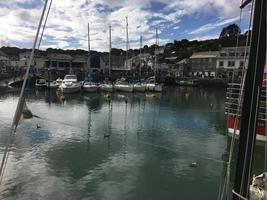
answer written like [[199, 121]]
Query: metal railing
[[232, 99]]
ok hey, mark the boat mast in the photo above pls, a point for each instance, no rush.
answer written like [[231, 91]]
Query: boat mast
[[127, 42], [109, 57], [156, 47], [141, 39], [252, 93], [89, 51]]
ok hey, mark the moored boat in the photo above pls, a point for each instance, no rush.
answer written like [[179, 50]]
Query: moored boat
[[123, 86], [106, 87], [88, 85], [41, 83], [234, 118], [152, 85], [70, 84]]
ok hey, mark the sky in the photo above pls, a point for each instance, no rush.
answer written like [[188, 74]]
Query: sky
[[67, 22]]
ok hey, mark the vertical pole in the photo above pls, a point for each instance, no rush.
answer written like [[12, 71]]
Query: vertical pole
[[89, 51], [156, 52], [109, 60], [127, 46], [252, 94], [141, 39]]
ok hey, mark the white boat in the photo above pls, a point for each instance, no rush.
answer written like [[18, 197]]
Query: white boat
[[41, 83], [106, 87], [123, 86], [139, 87], [152, 86], [70, 84], [55, 84], [89, 86]]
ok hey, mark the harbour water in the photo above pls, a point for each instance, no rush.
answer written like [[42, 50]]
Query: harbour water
[[126, 146]]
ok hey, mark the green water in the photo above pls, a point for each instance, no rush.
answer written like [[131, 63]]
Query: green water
[[129, 146]]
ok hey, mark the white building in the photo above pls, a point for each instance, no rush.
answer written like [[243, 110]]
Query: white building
[[231, 60]]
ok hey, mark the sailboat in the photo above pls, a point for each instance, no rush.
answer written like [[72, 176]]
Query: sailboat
[[107, 86], [88, 84], [247, 119], [140, 86], [152, 85], [121, 84]]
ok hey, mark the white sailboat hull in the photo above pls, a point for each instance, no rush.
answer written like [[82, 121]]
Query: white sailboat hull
[[106, 87], [90, 88], [139, 87], [124, 88]]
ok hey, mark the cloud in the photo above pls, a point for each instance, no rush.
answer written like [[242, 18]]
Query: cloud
[[67, 22], [210, 26]]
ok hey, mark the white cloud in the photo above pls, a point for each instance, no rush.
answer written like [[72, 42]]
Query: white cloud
[[210, 26], [67, 23]]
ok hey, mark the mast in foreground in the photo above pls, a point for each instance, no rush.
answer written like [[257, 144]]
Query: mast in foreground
[[250, 108]]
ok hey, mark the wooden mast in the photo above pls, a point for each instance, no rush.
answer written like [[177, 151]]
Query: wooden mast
[[250, 108]]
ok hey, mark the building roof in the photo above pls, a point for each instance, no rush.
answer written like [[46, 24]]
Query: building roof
[[79, 58], [3, 54], [205, 54], [59, 56]]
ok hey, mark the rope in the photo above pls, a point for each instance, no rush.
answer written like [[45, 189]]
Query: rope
[[47, 14], [17, 113], [243, 75]]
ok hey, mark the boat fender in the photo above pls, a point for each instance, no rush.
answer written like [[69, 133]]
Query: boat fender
[[62, 98]]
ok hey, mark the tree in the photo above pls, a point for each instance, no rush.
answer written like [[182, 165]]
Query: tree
[[230, 31]]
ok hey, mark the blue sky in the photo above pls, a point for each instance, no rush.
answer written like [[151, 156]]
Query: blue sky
[[67, 22]]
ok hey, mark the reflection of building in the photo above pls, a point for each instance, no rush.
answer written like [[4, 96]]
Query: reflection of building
[[231, 60], [203, 64]]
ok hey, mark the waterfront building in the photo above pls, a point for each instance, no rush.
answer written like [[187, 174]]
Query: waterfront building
[[118, 64], [4, 63], [203, 64], [39, 61], [182, 68], [230, 61]]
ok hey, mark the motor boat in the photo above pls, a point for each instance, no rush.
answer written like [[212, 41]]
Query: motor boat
[[55, 84], [70, 84], [152, 86], [41, 83], [123, 86]]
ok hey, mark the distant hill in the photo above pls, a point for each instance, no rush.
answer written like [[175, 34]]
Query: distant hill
[[179, 48]]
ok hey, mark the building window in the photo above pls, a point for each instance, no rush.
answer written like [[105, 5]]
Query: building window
[[241, 63], [223, 54], [231, 63], [221, 63], [231, 54], [210, 60]]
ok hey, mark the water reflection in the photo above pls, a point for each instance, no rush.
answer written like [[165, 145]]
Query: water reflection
[[122, 146]]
